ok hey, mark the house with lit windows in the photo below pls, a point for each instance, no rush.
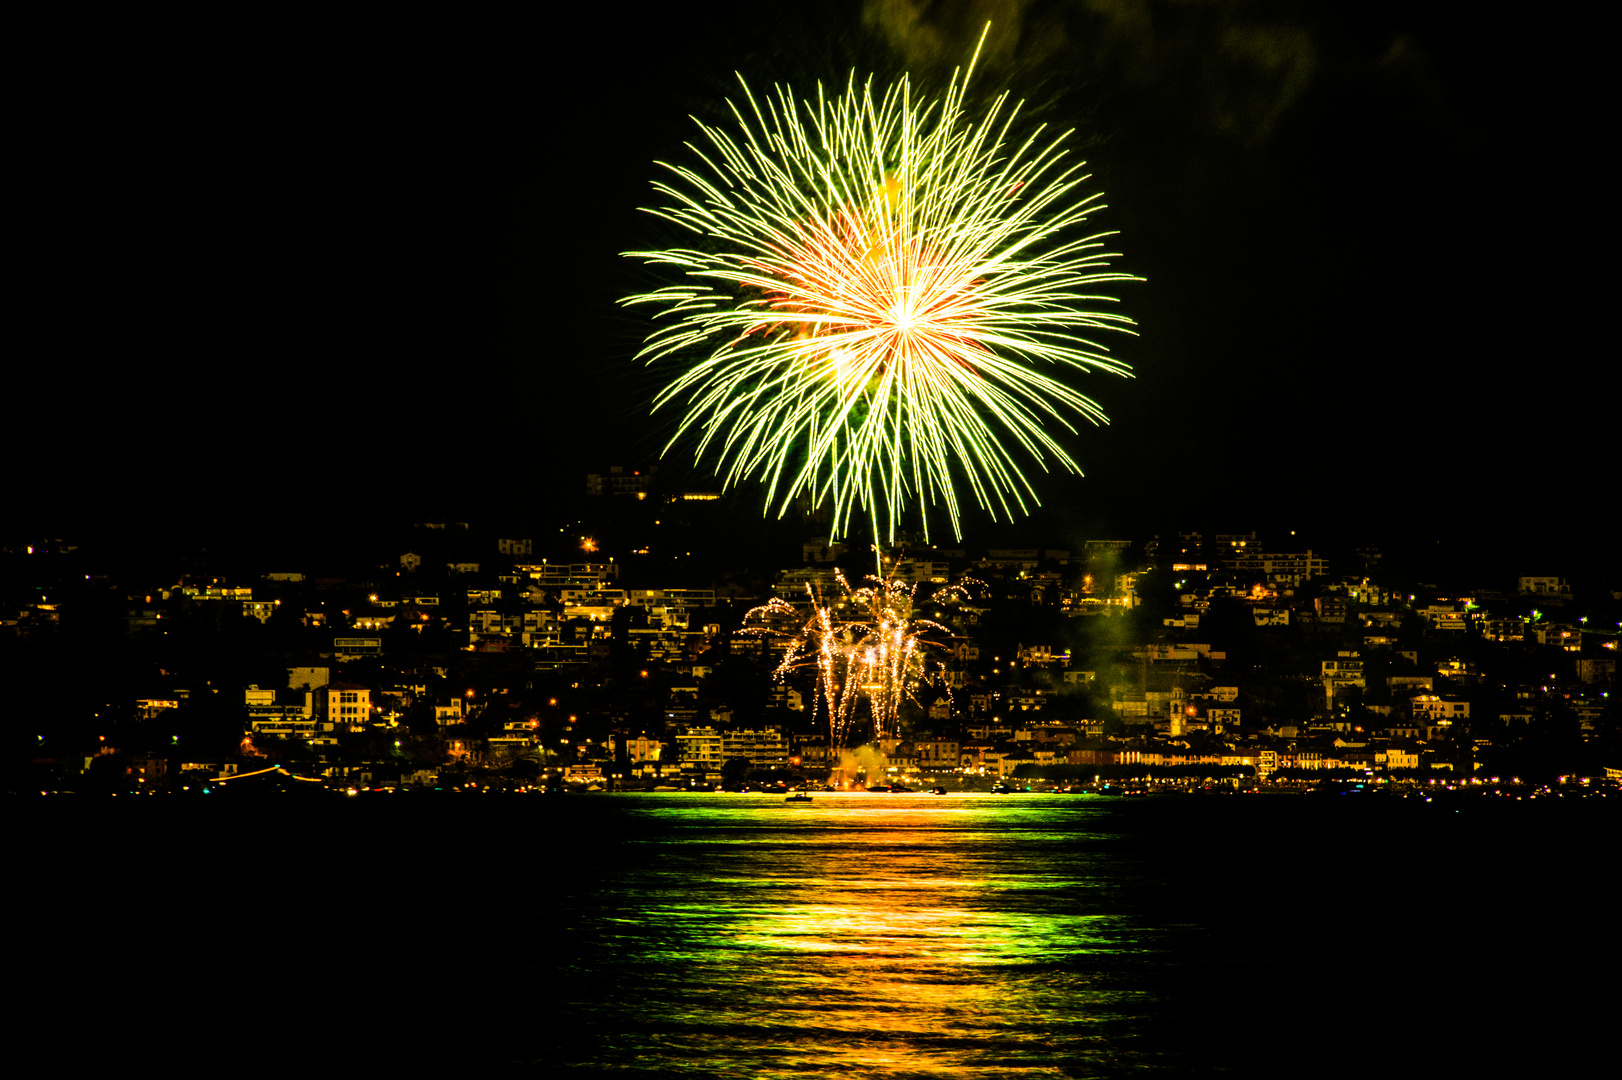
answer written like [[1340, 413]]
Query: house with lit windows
[[344, 705], [287, 713], [700, 750]]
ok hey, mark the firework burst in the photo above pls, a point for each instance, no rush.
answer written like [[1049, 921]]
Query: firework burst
[[864, 645], [883, 302]]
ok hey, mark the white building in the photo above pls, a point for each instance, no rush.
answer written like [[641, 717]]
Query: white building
[[287, 713], [344, 705], [700, 749]]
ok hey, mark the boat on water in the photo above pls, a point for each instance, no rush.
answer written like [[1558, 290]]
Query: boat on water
[[798, 796]]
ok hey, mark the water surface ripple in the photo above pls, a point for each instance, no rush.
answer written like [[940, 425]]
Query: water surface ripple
[[863, 935]]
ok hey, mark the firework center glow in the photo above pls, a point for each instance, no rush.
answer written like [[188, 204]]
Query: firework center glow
[[878, 302]]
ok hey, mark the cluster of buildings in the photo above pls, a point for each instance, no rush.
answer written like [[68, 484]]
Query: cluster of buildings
[[1182, 657]]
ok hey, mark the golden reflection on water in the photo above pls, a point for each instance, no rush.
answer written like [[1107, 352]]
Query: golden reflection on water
[[878, 938]]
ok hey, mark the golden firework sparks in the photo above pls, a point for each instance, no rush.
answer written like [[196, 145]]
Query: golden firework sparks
[[865, 644]]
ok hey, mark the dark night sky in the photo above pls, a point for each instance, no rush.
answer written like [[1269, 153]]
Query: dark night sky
[[277, 264]]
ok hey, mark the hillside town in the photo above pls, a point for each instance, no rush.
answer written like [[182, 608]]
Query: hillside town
[[451, 657]]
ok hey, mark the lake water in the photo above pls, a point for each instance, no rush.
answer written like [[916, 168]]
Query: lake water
[[859, 935], [888, 935]]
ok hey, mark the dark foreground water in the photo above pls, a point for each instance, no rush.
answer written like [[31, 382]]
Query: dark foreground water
[[861, 935]]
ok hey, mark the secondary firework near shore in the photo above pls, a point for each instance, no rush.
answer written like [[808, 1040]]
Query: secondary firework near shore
[[865, 644], [882, 302]]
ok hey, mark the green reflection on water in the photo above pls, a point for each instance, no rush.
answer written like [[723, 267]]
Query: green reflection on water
[[871, 937]]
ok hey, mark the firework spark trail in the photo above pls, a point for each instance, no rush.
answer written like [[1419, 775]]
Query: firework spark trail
[[819, 642], [880, 284], [881, 653]]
